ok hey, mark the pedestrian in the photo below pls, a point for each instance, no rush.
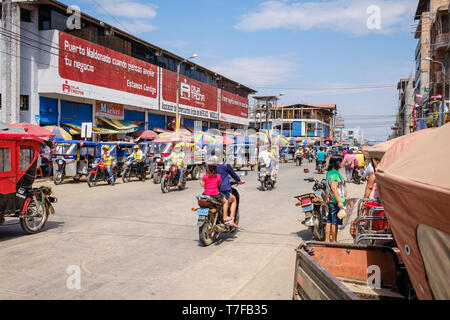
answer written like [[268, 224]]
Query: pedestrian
[[336, 189], [349, 164], [371, 191]]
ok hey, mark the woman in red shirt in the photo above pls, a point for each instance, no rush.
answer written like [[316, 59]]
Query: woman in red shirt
[[211, 182]]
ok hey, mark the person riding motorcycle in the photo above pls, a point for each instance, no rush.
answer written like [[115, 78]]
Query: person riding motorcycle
[[267, 159], [320, 157], [108, 160], [138, 157], [178, 156]]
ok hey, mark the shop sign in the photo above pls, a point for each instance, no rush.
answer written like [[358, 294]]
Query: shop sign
[[89, 63], [195, 98], [109, 110], [233, 104]]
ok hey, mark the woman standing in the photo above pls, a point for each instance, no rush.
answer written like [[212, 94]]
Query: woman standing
[[336, 188], [349, 163]]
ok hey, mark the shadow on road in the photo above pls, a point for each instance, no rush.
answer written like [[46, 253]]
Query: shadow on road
[[12, 230], [306, 235]]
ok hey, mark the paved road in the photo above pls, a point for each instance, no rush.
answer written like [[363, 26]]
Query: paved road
[[133, 242]]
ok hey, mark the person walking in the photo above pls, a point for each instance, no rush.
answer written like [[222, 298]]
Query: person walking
[[336, 189], [349, 164]]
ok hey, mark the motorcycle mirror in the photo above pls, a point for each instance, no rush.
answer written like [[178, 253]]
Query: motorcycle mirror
[[306, 170]]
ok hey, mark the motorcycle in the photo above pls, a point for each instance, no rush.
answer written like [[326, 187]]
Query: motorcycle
[[298, 160], [310, 157], [314, 206], [158, 170], [99, 172], [357, 175], [320, 165], [134, 169], [210, 216], [170, 178], [265, 177]]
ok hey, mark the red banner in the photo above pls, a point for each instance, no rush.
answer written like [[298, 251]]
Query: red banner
[[193, 93], [234, 105], [86, 62]]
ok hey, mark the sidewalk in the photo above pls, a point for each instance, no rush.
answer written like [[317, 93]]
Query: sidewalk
[[354, 191]]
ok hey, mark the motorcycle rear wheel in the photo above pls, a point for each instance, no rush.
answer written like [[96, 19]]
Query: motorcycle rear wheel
[[91, 180], [206, 235], [264, 186], [28, 224]]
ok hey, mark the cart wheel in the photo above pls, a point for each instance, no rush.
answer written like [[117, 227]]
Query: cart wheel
[[77, 178], [58, 178], [196, 173]]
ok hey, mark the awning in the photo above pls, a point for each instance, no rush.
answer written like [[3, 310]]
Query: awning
[[75, 129], [122, 125]]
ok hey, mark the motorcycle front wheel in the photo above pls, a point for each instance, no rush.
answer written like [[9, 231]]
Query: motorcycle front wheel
[[164, 185], [157, 178], [263, 185], [126, 176], [58, 178], [207, 236], [92, 180]]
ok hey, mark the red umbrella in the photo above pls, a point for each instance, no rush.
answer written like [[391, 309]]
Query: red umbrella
[[145, 134], [34, 130]]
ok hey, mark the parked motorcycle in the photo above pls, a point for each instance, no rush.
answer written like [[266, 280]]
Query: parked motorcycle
[[314, 206], [358, 173], [99, 172], [265, 178], [171, 178], [158, 170], [210, 216], [134, 169]]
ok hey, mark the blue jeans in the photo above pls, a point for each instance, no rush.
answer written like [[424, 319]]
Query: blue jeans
[[111, 176], [181, 174], [333, 210]]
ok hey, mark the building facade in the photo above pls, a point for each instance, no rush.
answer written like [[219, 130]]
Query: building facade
[[299, 120], [432, 62], [55, 72], [405, 114]]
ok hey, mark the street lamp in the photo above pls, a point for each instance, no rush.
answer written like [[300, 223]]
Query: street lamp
[[177, 126], [444, 90]]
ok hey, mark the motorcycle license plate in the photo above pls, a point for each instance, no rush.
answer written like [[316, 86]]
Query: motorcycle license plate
[[307, 208], [202, 211]]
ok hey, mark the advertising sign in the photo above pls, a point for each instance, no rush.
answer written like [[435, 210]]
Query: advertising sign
[[87, 62], [109, 110], [340, 122], [234, 105], [86, 130], [196, 98]]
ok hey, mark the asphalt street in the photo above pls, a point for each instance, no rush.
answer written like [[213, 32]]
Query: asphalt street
[[131, 241]]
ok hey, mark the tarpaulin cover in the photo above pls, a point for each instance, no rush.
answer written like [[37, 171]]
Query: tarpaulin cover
[[414, 184]]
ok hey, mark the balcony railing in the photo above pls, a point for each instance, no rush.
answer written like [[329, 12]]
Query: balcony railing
[[441, 40]]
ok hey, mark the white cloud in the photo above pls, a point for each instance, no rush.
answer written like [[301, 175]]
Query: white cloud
[[173, 43], [134, 27], [340, 15], [255, 71], [133, 10]]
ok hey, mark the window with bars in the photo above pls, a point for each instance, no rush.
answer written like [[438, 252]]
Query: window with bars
[[5, 159], [26, 157]]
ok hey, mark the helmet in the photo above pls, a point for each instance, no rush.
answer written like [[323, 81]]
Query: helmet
[[136, 147], [106, 147]]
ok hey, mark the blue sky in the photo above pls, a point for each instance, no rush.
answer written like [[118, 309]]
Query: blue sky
[[313, 51]]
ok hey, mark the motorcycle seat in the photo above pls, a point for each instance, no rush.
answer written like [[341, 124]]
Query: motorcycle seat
[[205, 201]]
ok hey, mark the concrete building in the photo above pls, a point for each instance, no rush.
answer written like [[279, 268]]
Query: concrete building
[[354, 136], [60, 68], [299, 120], [405, 113], [432, 33]]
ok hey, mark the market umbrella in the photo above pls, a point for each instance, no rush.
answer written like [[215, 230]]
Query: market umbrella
[[145, 134], [61, 134], [261, 137], [224, 140], [172, 137], [280, 141], [3, 126], [307, 142], [202, 138], [33, 129]]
